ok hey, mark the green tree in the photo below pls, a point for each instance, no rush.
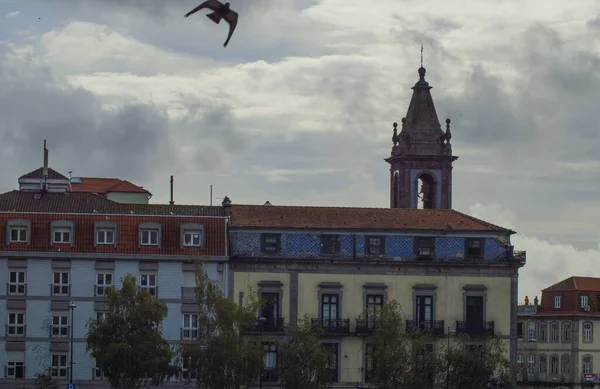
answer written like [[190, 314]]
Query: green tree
[[472, 366], [221, 358], [304, 362], [397, 359], [45, 381], [128, 345]]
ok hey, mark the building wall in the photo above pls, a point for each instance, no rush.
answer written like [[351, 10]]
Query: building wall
[[397, 246], [128, 198], [83, 278]]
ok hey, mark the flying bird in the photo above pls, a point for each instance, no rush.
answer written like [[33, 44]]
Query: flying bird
[[221, 11]]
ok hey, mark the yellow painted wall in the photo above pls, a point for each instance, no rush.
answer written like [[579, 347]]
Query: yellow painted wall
[[248, 282]]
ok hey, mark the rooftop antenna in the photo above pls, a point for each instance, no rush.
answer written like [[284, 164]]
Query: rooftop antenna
[[171, 202], [421, 55], [45, 169], [211, 196]]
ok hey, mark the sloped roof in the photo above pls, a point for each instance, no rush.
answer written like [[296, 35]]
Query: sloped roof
[[313, 217], [105, 185], [38, 173], [590, 284], [81, 202]]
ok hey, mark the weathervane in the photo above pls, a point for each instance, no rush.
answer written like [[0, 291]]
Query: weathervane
[[421, 55]]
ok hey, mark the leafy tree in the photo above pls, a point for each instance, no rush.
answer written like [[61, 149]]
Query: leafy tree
[[128, 345], [470, 366], [221, 359], [45, 381], [304, 363], [398, 359]]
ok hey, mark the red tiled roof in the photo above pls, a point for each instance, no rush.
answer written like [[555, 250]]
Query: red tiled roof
[[588, 284], [546, 314], [307, 217], [105, 185], [37, 173], [127, 235], [90, 203]]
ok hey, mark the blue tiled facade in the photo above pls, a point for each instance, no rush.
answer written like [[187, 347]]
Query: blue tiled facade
[[397, 247]]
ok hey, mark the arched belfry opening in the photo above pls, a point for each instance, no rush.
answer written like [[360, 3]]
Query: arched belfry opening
[[426, 190]]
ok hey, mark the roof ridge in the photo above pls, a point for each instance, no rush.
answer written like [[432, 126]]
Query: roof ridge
[[344, 207], [483, 221]]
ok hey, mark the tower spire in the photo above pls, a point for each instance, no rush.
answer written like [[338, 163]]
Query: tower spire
[[421, 55]]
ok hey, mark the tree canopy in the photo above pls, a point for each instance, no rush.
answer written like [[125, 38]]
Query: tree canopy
[[128, 344], [304, 362], [220, 358]]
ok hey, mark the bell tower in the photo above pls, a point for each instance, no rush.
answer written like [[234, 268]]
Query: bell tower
[[421, 158]]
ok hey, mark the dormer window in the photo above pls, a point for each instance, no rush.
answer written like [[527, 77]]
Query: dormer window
[[105, 236], [330, 244], [150, 234], [425, 247], [62, 232], [192, 235], [192, 238], [557, 302], [474, 248], [18, 231]]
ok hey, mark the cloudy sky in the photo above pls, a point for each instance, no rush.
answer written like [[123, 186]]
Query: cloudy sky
[[298, 109]]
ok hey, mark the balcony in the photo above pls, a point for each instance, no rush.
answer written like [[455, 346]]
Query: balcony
[[271, 325], [484, 328], [510, 255], [434, 327], [15, 330], [365, 326], [60, 290], [16, 289], [188, 293], [270, 374], [332, 326]]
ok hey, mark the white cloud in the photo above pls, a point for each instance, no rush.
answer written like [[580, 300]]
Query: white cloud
[[13, 14]]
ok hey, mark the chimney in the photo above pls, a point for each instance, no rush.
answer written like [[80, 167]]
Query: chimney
[[171, 202], [45, 172]]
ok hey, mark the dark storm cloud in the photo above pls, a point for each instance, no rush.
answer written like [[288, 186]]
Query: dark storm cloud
[[132, 141]]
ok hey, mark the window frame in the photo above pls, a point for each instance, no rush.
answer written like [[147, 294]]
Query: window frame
[[557, 302], [566, 335], [19, 287], [370, 363], [59, 367], [331, 244], [271, 349], [422, 244], [101, 287], [187, 374], [61, 326], [105, 231], [542, 363], [334, 355], [590, 332], [480, 253], [542, 332], [152, 287], [265, 246], [19, 324], [147, 233], [192, 233], [531, 332], [189, 332], [18, 230], [590, 365], [64, 289], [15, 366], [62, 232], [98, 373], [552, 338], [369, 246]]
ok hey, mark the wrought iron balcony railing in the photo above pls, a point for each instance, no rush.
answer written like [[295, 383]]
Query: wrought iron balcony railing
[[475, 328], [271, 325], [365, 326], [335, 326], [433, 327]]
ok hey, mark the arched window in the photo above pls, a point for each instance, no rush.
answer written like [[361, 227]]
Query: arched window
[[542, 332], [554, 365], [520, 359], [566, 366], [554, 332], [426, 191], [588, 331], [543, 364], [530, 364], [587, 364], [531, 331], [566, 332]]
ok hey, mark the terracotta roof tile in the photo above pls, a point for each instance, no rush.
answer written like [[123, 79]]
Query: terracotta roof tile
[[105, 185], [70, 202], [312, 217], [127, 187], [590, 284], [37, 173]]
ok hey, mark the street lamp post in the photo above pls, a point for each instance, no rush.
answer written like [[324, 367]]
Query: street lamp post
[[450, 332], [261, 324], [72, 307]]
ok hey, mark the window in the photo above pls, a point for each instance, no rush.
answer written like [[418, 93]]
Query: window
[[270, 362], [188, 370], [556, 302], [474, 248], [542, 332], [425, 247], [530, 364], [375, 245], [104, 281], [61, 235], [332, 365], [566, 332], [149, 237], [520, 330], [542, 362], [59, 366], [374, 305], [270, 310], [370, 363], [148, 282], [15, 370], [531, 332], [192, 238], [554, 365], [520, 359], [584, 301], [189, 330], [330, 244], [566, 365], [587, 331], [554, 332], [98, 373], [60, 287], [18, 234], [424, 313], [16, 283], [587, 364], [270, 243], [329, 310], [16, 324], [60, 326], [105, 236], [101, 316]]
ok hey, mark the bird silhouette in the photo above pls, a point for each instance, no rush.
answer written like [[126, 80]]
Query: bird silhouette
[[221, 11]]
